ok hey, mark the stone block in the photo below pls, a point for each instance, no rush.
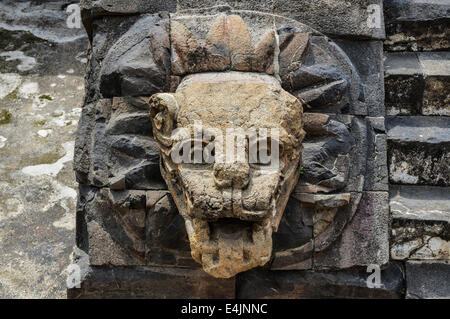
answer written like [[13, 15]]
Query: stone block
[[114, 146], [419, 150], [371, 74], [417, 83], [417, 25], [359, 19], [427, 280], [148, 283], [111, 226], [167, 243], [364, 240], [421, 223], [263, 284]]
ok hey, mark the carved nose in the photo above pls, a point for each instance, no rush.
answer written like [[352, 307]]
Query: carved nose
[[231, 175]]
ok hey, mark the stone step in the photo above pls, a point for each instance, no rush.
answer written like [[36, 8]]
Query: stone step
[[415, 25], [420, 222], [417, 83], [419, 150]]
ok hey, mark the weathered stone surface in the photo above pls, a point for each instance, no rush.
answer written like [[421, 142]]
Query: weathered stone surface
[[427, 280], [364, 240], [337, 18], [111, 226], [436, 71], [421, 222], [167, 243], [420, 203], [292, 243], [356, 153], [309, 284], [420, 240], [138, 63], [94, 9], [417, 25], [417, 83], [321, 75], [114, 145], [419, 150], [370, 73], [376, 175], [148, 282], [229, 204], [220, 42]]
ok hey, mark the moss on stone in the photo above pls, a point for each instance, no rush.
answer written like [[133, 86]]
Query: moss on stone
[[45, 97], [5, 117], [39, 123]]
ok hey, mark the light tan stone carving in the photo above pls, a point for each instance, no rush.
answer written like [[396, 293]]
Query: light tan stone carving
[[230, 208]]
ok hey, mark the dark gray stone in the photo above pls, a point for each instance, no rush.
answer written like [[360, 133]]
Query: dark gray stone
[[427, 280], [404, 84], [376, 176], [167, 243], [417, 83], [151, 283], [417, 25], [364, 240], [309, 284], [138, 63], [360, 53], [111, 226], [94, 9], [114, 142], [419, 150], [422, 203], [337, 18]]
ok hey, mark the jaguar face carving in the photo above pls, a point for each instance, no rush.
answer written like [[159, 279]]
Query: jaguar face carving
[[231, 205]]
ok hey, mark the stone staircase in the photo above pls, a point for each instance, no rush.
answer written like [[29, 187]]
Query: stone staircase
[[417, 87]]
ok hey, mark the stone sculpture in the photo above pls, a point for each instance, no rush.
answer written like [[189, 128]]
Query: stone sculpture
[[205, 71]]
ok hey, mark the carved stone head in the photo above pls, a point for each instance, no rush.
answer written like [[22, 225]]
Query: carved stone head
[[231, 203]]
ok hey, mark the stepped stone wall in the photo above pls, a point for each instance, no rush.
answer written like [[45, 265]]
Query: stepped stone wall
[[393, 131]]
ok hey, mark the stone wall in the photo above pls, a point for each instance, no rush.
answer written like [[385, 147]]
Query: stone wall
[[131, 241], [417, 82]]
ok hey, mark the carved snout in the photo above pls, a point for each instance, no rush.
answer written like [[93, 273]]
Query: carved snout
[[163, 113], [227, 175]]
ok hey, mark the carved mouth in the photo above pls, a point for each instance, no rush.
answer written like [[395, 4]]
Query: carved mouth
[[231, 229]]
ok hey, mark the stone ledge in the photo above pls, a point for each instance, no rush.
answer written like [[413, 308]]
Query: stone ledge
[[417, 83], [417, 25], [260, 284], [421, 203], [427, 280], [151, 283]]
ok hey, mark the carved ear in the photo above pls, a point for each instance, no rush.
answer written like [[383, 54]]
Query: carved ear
[[163, 113]]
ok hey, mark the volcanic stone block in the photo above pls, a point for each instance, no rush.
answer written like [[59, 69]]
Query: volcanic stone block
[[364, 240], [358, 19], [261, 284], [417, 25], [167, 243], [376, 175], [404, 84], [417, 83], [138, 63], [436, 71], [360, 52], [148, 282], [419, 150], [114, 146], [94, 9], [111, 226], [427, 280], [421, 222]]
